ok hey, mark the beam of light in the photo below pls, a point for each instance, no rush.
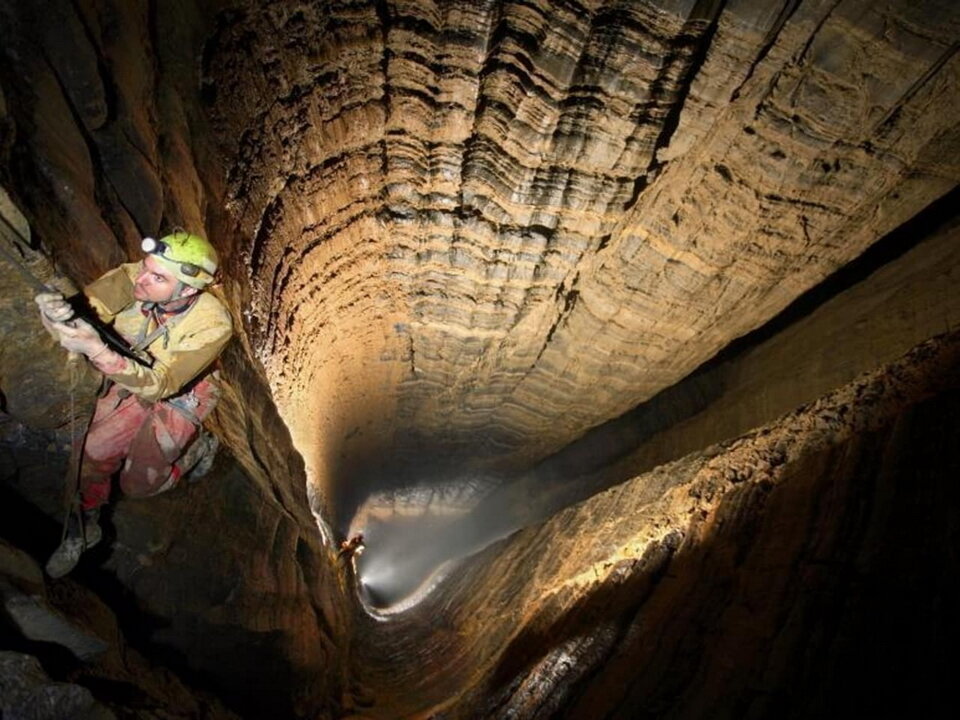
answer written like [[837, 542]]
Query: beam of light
[[407, 556]]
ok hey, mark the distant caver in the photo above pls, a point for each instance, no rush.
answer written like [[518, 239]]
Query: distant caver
[[147, 422]]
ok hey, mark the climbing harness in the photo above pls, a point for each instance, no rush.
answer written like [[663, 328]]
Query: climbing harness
[[195, 263], [164, 325]]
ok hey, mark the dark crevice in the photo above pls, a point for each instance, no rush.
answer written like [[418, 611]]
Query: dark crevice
[[937, 216], [103, 71], [890, 118], [491, 45], [569, 296], [383, 15], [724, 172], [772, 197], [29, 529], [800, 58], [615, 603], [413, 358], [103, 188], [697, 59], [700, 38], [622, 600], [786, 12]]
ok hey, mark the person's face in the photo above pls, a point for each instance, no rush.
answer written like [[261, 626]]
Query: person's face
[[155, 283]]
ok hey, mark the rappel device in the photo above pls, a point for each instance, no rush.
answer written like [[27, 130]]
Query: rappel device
[[80, 310]]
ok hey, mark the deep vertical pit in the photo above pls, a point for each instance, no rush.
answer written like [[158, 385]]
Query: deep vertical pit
[[421, 212]]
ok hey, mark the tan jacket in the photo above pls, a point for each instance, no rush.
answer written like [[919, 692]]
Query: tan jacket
[[193, 341]]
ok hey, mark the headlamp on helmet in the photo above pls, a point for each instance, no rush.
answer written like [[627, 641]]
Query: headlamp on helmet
[[189, 257]]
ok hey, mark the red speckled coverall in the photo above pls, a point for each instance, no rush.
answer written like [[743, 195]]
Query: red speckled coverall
[[141, 440], [146, 421]]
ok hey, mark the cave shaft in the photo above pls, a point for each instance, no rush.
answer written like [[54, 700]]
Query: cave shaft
[[479, 230], [558, 264]]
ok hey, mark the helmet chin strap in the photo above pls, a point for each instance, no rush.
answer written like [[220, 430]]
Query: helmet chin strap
[[175, 297]]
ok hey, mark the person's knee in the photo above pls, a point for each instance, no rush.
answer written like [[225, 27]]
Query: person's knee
[[104, 448], [146, 480]]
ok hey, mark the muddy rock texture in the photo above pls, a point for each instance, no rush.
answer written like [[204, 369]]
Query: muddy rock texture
[[625, 331]]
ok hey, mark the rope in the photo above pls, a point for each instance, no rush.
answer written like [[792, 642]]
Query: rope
[[77, 442], [27, 274], [71, 490], [108, 337]]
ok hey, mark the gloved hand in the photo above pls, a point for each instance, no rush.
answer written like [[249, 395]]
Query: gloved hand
[[53, 307], [50, 302], [79, 336]]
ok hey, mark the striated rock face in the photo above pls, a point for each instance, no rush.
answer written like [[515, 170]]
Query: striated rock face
[[478, 254], [482, 230]]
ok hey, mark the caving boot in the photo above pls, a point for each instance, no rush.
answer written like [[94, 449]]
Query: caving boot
[[81, 536]]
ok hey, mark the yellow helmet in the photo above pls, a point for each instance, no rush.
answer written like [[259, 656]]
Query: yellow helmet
[[189, 257]]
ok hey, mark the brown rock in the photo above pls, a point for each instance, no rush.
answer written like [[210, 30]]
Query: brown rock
[[458, 237]]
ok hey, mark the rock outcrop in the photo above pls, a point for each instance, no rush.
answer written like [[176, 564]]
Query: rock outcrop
[[229, 582]]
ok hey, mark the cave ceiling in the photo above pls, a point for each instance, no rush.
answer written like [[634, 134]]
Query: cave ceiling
[[476, 230]]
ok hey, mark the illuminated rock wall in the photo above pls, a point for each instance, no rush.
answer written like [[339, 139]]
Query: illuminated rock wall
[[483, 228], [457, 236]]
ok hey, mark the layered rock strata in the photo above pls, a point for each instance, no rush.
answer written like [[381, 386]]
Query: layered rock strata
[[507, 222], [455, 238], [229, 582]]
